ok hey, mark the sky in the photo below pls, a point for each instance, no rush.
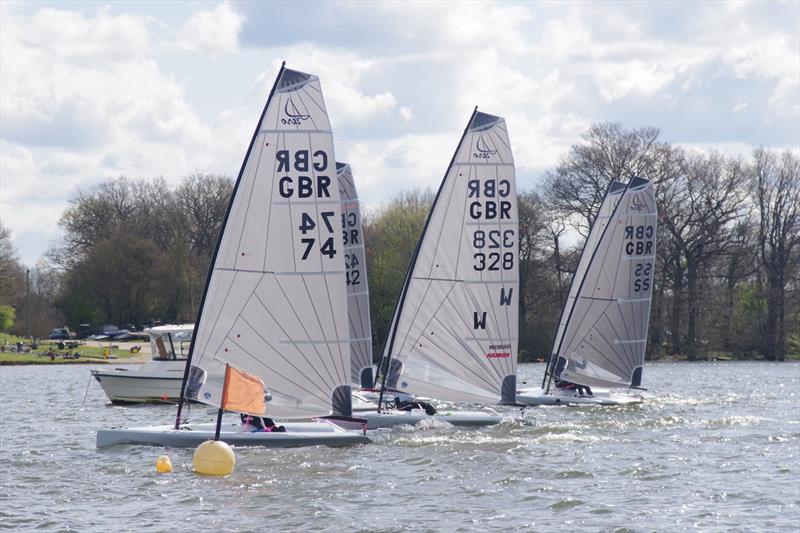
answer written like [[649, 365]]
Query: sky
[[96, 90]]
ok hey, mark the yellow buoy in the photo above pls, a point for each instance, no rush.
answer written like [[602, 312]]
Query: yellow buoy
[[163, 464], [214, 458]]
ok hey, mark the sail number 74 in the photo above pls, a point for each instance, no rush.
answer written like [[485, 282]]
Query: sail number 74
[[307, 224]]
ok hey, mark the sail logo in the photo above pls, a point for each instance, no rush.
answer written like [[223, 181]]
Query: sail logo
[[637, 205], [294, 116], [499, 351], [482, 150]]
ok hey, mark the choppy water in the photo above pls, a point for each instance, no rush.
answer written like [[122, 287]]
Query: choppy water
[[716, 447]]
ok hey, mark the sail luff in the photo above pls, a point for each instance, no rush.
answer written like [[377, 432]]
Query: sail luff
[[219, 242], [587, 254], [389, 345]]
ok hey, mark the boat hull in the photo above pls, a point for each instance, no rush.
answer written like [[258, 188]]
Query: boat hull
[[153, 382], [570, 397], [387, 419], [296, 435]]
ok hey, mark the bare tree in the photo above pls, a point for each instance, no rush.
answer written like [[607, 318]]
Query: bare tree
[[776, 185]]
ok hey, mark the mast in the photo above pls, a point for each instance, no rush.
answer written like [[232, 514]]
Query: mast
[[389, 345], [217, 247], [551, 365]]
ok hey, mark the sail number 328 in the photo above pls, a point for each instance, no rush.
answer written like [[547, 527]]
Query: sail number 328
[[493, 248]]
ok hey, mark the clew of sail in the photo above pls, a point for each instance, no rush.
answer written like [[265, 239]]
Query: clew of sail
[[454, 333], [356, 275], [274, 306], [605, 335]]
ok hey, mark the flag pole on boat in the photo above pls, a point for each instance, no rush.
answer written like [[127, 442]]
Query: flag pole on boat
[[389, 346]]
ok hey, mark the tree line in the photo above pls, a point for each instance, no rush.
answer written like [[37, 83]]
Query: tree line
[[726, 281]]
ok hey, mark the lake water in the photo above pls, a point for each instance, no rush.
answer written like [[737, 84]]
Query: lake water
[[716, 447]]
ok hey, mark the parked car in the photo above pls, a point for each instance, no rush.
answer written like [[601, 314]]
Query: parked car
[[59, 334], [84, 330]]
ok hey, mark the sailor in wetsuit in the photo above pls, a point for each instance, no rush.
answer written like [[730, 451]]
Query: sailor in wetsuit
[[583, 390], [254, 424]]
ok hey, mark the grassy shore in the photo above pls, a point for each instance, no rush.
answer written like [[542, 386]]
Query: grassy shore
[[41, 355]]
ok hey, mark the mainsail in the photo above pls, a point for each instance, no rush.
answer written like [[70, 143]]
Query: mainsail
[[357, 286], [454, 332], [607, 207], [603, 335], [275, 300]]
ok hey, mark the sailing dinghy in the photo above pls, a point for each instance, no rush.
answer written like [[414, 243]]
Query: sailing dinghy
[[272, 336], [453, 336], [602, 334]]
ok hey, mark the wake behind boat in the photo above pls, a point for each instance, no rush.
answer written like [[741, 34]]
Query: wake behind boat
[[271, 336], [598, 352]]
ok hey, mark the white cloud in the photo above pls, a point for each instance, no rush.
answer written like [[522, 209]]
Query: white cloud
[[213, 32]]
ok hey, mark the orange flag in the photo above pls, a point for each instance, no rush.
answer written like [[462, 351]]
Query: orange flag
[[242, 392]]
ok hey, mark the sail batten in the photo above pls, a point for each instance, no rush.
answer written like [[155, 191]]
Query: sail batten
[[275, 299], [454, 331]]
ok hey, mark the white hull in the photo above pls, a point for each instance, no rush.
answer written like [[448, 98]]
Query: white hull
[[571, 397], [155, 381], [296, 435], [387, 419]]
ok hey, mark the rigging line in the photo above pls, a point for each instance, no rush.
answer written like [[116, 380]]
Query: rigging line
[[195, 337], [624, 356], [428, 323], [463, 233], [438, 239], [630, 356], [272, 370], [280, 137], [499, 327], [237, 314], [356, 349], [289, 337], [486, 366], [313, 98], [303, 327], [246, 206], [366, 355], [512, 362], [468, 349], [500, 138], [345, 372], [621, 371], [310, 114], [337, 375]]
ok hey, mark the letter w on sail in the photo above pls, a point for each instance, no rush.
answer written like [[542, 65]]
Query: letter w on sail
[[505, 298], [479, 321]]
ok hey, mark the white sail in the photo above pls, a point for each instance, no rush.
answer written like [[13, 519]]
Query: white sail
[[605, 336], [275, 302], [357, 287], [454, 333], [607, 207]]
